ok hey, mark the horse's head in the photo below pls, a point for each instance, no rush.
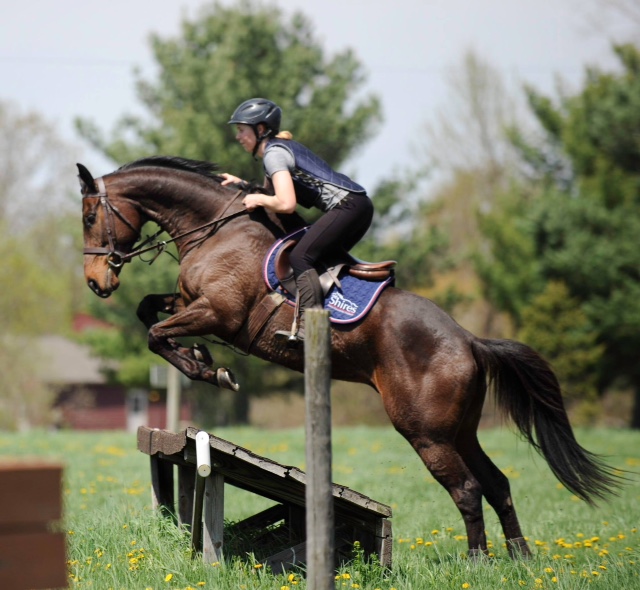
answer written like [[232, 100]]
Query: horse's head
[[111, 228]]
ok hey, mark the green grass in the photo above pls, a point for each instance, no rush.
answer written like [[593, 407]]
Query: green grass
[[116, 541]]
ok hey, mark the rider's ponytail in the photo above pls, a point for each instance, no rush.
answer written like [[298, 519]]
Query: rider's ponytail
[[285, 135]]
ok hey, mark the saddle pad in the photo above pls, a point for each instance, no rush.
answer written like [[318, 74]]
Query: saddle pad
[[346, 305]]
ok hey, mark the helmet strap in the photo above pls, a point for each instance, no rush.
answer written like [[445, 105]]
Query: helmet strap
[[259, 139]]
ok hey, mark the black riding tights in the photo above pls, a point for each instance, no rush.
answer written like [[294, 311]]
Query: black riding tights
[[341, 228]]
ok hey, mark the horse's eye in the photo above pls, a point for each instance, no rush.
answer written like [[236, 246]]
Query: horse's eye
[[90, 219]]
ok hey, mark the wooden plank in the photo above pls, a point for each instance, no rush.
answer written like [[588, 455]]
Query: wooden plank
[[33, 561], [384, 543], [287, 558], [319, 489], [262, 519], [30, 493], [196, 518], [213, 528], [162, 493], [152, 441], [186, 490], [247, 470]]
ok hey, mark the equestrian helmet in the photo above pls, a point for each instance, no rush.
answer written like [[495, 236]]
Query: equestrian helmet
[[258, 110]]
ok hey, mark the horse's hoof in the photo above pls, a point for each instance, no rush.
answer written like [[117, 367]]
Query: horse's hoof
[[518, 548], [226, 379], [477, 554]]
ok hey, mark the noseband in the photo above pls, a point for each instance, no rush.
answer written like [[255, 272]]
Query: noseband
[[116, 258]]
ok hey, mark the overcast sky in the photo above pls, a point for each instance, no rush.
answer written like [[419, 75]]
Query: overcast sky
[[68, 58]]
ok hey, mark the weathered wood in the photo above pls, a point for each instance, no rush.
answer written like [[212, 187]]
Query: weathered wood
[[30, 494], [196, 517], [32, 561], [358, 516], [31, 556], [319, 490], [186, 493], [213, 519], [262, 519], [162, 493]]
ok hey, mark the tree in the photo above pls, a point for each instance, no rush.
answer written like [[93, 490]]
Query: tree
[[581, 225], [223, 57], [229, 54], [40, 257]]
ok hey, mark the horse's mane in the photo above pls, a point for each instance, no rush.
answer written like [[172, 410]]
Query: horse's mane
[[208, 169], [201, 167]]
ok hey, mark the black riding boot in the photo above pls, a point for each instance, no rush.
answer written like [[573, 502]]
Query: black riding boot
[[310, 296]]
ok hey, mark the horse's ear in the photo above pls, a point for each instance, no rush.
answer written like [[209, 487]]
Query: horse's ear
[[87, 183]]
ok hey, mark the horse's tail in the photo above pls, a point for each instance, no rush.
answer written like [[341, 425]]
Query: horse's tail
[[526, 388]]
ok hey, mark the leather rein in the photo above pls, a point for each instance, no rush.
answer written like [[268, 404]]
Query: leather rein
[[116, 257]]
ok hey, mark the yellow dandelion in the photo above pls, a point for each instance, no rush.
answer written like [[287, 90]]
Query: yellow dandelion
[[602, 567], [200, 584], [548, 570], [168, 578], [292, 577], [284, 588], [258, 566], [346, 576], [466, 585], [435, 531], [554, 580]]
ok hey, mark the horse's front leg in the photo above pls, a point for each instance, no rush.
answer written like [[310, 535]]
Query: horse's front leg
[[194, 320], [169, 303], [152, 305]]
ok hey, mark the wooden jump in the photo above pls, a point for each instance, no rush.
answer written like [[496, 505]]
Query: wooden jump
[[357, 517], [32, 555]]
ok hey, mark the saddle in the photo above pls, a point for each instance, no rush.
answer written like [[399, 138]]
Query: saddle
[[331, 269]]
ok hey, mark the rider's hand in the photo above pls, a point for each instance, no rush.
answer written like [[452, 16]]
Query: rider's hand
[[231, 179], [252, 201]]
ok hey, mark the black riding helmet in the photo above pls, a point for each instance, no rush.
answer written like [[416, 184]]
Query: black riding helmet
[[255, 111]]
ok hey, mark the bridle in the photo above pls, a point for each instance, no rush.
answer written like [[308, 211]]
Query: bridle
[[116, 258]]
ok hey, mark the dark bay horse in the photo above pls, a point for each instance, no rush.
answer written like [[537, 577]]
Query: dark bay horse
[[431, 373]]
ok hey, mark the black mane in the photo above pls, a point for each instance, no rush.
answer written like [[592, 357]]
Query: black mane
[[198, 166]]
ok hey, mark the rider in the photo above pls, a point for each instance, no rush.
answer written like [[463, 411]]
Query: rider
[[295, 175]]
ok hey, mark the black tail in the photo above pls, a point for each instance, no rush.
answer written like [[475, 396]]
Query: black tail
[[527, 389]]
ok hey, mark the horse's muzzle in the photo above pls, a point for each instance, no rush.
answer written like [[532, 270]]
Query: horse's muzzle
[[104, 293]]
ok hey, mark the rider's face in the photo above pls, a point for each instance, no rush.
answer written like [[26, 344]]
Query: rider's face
[[246, 137]]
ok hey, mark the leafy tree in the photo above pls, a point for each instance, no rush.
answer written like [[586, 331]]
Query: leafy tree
[[555, 325], [581, 226], [224, 56], [40, 258]]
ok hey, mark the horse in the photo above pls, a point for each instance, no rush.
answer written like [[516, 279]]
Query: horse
[[431, 373]]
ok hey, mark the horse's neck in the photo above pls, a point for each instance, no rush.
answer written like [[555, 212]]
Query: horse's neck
[[177, 205]]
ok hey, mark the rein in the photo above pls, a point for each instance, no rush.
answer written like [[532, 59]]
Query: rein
[[118, 258]]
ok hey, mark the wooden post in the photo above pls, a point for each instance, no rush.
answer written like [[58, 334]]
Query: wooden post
[[174, 391], [318, 495]]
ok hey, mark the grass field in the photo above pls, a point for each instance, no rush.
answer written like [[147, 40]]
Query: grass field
[[115, 540]]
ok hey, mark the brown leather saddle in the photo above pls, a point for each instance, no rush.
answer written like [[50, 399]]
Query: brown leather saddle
[[329, 270]]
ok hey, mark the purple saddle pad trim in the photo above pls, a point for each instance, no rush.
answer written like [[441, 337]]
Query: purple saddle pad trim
[[349, 304]]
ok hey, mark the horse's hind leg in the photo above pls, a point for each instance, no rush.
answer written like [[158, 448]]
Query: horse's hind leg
[[428, 415], [495, 485]]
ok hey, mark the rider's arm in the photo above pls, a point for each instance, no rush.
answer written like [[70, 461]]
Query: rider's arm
[[284, 199]]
